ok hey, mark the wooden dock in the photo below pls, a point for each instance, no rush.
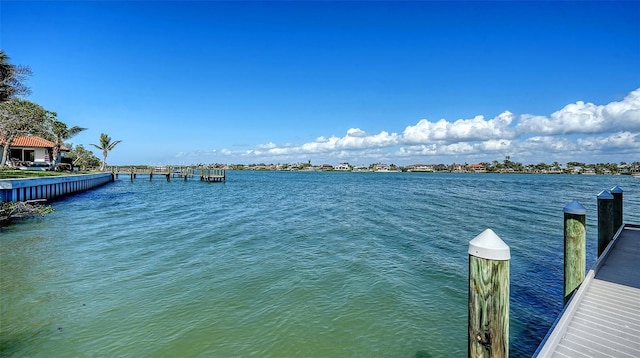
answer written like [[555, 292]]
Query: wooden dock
[[185, 173], [602, 319]]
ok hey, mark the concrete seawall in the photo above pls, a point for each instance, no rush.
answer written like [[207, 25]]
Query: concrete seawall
[[50, 187]]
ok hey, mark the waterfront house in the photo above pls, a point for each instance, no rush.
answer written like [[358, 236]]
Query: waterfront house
[[345, 167], [384, 168], [421, 168], [478, 168], [361, 168], [31, 152]]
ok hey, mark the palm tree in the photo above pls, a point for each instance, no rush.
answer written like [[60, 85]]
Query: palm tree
[[105, 146], [12, 78], [61, 133]]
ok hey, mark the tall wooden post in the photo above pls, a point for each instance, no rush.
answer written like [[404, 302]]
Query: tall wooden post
[[575, 251], [618, 218], [150, 173], [488, 296], [605, 220]]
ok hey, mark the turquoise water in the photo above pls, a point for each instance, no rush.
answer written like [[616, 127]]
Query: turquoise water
[[274, 264]]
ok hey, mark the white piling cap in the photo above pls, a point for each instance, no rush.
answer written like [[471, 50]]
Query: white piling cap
[[605, 195], [616, 190], [489, 246], [575, 208]]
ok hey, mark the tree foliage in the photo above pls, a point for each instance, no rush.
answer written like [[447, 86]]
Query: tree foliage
[[12, 79], [11, 210], [20, 117], [83, 158], [106, 145], [58, 132]]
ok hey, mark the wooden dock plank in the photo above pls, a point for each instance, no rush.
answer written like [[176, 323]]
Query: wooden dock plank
[[601, 325], [207, 174], [626, 343], [603, 317]]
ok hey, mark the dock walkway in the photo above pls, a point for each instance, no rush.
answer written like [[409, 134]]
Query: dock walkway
[[204, 173], [602, 319]]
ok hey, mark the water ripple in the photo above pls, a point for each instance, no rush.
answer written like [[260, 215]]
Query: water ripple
[[285, 264]]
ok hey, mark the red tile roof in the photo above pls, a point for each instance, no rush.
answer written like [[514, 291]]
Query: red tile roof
[[34, 142]]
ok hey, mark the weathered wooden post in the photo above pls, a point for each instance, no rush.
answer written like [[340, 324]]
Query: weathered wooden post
[[488, 296], [151, 174], [575, 251], [618, 218], [605, 220]]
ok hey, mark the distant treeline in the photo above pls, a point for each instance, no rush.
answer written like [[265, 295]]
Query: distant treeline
[[506, 166]]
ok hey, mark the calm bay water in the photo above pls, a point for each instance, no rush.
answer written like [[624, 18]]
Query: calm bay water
[[274, 264]]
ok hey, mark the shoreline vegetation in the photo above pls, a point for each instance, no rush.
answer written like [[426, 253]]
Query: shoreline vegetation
[[505, 167], [21, 119], [21, 209]]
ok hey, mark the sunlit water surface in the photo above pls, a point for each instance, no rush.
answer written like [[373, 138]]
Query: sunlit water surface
[[273, 264]]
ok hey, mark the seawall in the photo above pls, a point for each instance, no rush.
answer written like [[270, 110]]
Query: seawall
[[50, 187]]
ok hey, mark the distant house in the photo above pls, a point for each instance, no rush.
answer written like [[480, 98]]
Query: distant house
[[345, 167], [326, 167], [385, 168], [478, 168], [361, 168], [379, 167], [31, 151], [421, 167]]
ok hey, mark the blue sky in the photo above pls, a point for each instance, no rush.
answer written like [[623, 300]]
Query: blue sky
[[362, 82]]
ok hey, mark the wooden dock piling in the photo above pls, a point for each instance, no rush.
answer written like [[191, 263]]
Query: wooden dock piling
[[618, 218], [488, 334], [575, 252], [205, 174], [605, 220], [601, 319]]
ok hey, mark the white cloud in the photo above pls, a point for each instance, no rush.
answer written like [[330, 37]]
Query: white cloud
[[356, 132], [568, 132], [462, 130], [354, 139], [543, 144], [617, 141], [269, 145], [586, 118], [495, 145], [418, 150]]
